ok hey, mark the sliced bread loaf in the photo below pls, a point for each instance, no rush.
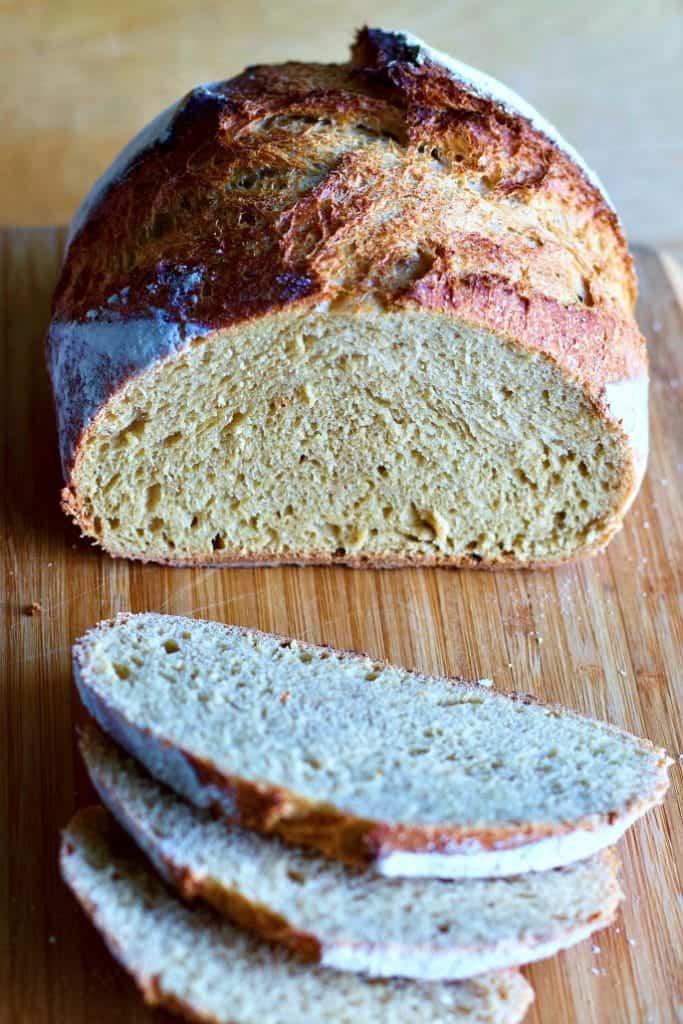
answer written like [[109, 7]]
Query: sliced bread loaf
[[343, 918], [377, 312], [192, 961], [365, 762]]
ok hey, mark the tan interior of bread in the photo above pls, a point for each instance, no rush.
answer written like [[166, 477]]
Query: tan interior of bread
[[366, 435]]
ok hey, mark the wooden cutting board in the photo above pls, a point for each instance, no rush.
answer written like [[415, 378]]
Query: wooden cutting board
[[604, 636]]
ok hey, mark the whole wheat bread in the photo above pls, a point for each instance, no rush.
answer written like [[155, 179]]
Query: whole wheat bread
[[326, 912], [368, 763], [194, 962]]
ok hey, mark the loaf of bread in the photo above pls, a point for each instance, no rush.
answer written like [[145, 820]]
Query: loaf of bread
[[356, 921], [377, 313], [367, 763], [191, 961]]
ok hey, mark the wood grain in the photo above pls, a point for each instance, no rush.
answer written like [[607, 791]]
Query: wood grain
[[604, 636]]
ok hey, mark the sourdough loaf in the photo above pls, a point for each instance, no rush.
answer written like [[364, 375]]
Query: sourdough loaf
[[368, 763], [340, 917], [191, 961], [374, 313]]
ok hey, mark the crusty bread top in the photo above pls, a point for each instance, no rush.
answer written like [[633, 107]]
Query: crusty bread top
[[387, 181], [417, 928], [354, 757], [194, 963]]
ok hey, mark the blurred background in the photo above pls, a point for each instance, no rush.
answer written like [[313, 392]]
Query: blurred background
[[79, 77]]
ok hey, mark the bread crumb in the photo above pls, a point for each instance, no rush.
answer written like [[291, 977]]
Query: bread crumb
[[34, 608], [284, 697]]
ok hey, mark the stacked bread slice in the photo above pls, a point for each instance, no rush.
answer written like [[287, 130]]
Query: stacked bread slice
[[404, 835]]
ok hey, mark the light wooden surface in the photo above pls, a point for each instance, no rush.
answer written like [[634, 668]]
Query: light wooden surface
[[604, 636], [80, 77]]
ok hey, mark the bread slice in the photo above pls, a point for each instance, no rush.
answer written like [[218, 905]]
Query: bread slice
[[343, 918], [192, 961], [377, 313], [368, 763]]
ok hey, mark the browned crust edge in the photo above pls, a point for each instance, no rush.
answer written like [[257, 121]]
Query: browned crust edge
[[97, 818], [261, 920], [356, 841]]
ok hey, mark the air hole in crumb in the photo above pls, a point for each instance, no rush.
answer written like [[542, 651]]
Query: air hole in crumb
[[122, 671], [382, 470], [153, 496], [171, 646], [97, 525], [218, 544], [296, 876], [132, 433]]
